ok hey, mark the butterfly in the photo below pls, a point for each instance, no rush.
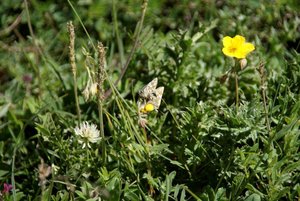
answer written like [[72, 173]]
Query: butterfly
[[151, 94]]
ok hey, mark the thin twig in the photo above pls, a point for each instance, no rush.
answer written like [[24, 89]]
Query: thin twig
[[140, 25], [11, 27]]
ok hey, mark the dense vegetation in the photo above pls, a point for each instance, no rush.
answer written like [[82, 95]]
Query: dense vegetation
[[223, 130]]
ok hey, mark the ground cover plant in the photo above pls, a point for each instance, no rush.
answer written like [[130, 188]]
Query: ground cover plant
[[149, 100]]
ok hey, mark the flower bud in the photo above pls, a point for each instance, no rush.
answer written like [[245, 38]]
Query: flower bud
[[243, 63], [93, 89]]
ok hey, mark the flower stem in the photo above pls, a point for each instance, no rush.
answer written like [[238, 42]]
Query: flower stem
[[100, 80], [263, 93], [76, 98], [13, 174], [236, 89], [148, 161]]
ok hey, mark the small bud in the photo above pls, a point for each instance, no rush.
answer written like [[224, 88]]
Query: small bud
[[93, 89], [243, 63], [86, 93]]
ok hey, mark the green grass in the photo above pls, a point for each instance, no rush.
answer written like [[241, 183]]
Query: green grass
[[199, 145]]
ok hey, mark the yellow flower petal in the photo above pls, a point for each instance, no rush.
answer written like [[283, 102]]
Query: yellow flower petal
[[248, 47], [245, 49], [227, 41], [227, 52], [240, 55], [239, 40]]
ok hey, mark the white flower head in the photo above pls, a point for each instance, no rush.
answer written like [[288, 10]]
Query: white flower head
[[88, 133]]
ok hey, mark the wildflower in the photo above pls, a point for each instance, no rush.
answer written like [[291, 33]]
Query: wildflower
[[147, 108], [236, 47], [6, 188], [90, 90], [88, 133]]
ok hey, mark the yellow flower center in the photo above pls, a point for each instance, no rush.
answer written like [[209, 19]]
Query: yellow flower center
[[232, 49]]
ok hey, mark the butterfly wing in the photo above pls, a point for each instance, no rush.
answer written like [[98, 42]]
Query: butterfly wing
[[147, 91], [157, 96]]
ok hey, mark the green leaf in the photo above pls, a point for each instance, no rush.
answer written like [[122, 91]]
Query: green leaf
[[3, 173], [4, 109], [253, 197]]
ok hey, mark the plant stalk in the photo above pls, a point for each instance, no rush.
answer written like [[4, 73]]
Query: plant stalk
[[73, 66], [264, 96], [236, 90], [136, 42], [100, 93], [37, 69]]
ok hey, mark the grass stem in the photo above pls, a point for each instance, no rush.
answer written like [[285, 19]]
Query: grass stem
[[81, 23], [100, 99], [73, 66], [136, 42], [116, 29], [13, 175], [264, 96], [37, 69]]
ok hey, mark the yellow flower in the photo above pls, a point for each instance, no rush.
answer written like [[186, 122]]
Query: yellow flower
[[147, 108], [236, 47]]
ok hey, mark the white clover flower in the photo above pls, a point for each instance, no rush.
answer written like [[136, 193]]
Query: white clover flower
[[88, 133]]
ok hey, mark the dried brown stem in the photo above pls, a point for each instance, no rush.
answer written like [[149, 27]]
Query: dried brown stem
[[262, 74], [11, 27]]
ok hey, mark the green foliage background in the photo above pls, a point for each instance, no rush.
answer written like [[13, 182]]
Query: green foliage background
[[201, 147]]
